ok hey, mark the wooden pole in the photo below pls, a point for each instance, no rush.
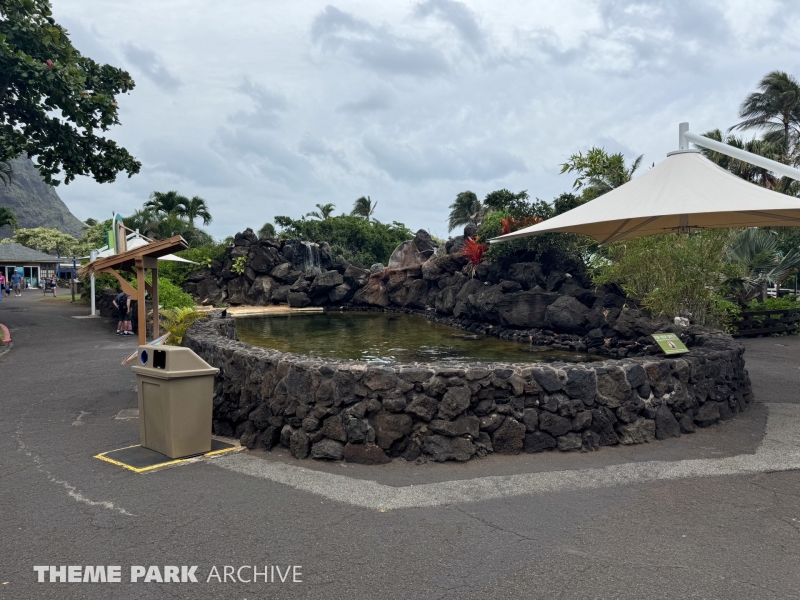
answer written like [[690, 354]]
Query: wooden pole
[[140, 302], [154, 294]]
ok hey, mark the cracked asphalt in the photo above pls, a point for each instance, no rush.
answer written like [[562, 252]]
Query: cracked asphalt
[[698, 537]]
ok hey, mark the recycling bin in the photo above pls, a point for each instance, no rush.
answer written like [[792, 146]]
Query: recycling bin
[[176, 389]]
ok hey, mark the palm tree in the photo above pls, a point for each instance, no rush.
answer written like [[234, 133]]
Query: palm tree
[[6, 174], [748, 172], [363, 207], [167, 203], [775, 108], [194, 208], [7, 217], [140, 220], [755, 255], [325, 211], [466, 209]]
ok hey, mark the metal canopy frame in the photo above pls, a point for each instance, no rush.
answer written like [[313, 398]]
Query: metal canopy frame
[[137, 260]]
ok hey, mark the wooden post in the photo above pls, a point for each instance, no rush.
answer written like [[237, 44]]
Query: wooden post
[[140, 302], [154, 294]]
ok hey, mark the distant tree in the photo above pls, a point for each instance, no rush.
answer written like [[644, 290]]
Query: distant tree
[[166, 203], [54, 101], [94, 235], [51, 241], [194, 209], [466, 209], [140, 219], [6, 174], [267, 231], [7, 217], [599, 172], [325, 211], [504, 200], [775, 108], [363, 207]]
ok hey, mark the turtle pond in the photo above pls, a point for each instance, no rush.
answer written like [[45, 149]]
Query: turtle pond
[[387, 338]]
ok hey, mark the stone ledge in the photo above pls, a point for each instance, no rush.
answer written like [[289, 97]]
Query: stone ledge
[[344, 409]]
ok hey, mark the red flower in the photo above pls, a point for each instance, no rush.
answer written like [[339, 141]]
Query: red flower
[[49, 63], [474, 251]]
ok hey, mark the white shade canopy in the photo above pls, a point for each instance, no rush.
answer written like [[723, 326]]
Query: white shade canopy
[[682, 193]]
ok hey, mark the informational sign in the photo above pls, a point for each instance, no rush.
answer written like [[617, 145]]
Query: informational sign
[[670, 343]]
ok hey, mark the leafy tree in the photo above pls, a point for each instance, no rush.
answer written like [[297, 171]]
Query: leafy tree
[[599, 172], [6, 174], [140, 219], [7, 217], [504, 200], [94, 236], [362, 241], [267, 231], [364, 207], [466, 209], [775, 108], [54, 101], [194, 209], [325, 211], [51, 241], [171, 225]]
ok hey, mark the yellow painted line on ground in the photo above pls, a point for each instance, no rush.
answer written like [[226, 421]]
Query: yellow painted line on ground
[[102, 456]]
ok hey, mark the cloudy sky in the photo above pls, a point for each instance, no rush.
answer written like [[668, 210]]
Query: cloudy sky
[[267, 108]]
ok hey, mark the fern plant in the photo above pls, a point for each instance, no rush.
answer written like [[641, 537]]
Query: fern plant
[[177, 321]]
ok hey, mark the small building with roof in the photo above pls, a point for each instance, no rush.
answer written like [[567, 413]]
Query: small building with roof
[[30, 263]]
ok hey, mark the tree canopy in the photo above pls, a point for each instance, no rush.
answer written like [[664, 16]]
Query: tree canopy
[[364, 207], [360, 240], [7, 217], [55, 101], [599, 172]]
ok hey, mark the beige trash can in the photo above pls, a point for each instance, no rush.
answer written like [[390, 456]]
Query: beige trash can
[[176, 389]]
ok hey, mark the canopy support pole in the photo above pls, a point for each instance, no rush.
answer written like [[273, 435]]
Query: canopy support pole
[[781, 169]]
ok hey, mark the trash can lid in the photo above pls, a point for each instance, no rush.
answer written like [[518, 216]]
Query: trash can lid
[[171, 362]]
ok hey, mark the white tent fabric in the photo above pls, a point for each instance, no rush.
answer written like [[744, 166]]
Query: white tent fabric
[[682, 193], [134, 241]]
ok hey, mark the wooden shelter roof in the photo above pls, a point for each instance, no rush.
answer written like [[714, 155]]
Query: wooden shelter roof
[[126, 260]]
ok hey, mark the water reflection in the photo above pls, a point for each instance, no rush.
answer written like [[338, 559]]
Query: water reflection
[[378, 337]]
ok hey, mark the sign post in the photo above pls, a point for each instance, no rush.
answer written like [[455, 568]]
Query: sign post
[[670, 343]]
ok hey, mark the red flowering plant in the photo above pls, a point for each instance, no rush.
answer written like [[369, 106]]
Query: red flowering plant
[[474, 252]]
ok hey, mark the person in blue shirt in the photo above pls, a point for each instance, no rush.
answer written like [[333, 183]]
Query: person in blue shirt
[[15, 282]]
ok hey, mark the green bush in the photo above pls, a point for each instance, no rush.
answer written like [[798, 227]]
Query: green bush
[[359, 240], [177, 320], [671, 274]]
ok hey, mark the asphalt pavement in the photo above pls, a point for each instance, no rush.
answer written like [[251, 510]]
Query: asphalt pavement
[[711, 515]]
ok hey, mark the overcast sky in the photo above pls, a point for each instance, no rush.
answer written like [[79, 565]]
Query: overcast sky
[[267, 108]]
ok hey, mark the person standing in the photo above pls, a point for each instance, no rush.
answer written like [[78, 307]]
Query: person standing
[[15, 283], [127, 329], [2, 285], [120, 304]]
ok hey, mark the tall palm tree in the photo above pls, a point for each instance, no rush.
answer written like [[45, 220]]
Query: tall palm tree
[[194, 208], [141, 219], [325, 211], [7, 217], [363, 207], [167, 203], [775, 108], [6, 174], [466, 209]]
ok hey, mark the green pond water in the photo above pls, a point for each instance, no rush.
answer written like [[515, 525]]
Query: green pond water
[[387, 338]]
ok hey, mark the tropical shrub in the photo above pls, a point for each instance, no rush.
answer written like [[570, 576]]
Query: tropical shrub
[[177, 320]]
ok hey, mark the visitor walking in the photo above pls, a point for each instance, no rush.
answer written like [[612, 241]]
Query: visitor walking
[[15, 283], [121, 304]]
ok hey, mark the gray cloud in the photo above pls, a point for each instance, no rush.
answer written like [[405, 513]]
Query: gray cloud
[[375, 101], [149, 63], [406, 162], [376, 48], [460, 17], [193, 163], [268, 106]]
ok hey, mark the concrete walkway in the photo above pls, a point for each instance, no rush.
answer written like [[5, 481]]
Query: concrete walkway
[[702, 516]]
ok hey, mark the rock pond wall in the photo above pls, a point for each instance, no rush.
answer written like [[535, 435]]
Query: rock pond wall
[[342, 409]]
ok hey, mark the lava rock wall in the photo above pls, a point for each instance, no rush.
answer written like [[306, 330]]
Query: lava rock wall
[[348, 410]]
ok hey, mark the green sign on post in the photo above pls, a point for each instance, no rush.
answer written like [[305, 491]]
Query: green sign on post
[[670, 343]]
